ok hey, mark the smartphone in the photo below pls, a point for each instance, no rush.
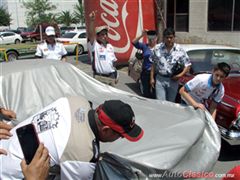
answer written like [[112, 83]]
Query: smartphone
[[28, 140]]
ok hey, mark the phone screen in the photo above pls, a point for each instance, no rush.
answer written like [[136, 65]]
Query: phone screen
[[28, 140]]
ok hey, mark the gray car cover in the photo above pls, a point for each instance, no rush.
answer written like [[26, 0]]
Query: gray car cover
[[176, 137]]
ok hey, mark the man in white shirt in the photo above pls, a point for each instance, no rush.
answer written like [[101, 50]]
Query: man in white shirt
[[101, 53], [165, 56], [71, 132], [50, 49], [206, 87]]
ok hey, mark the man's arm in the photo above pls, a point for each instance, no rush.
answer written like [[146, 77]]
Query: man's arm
[[135, 40], [152, 80], [213, 109], [187, 65], [64, 53], [186, 96], [4, 134], [91, 33], [185, 70], [8, 113], [38, 53], [39, 166]]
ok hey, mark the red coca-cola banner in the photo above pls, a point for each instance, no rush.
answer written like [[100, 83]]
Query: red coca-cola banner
[[125, 18]]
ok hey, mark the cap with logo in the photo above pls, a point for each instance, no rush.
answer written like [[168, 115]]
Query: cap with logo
[[50, 31], [119, 116], [101, 28]]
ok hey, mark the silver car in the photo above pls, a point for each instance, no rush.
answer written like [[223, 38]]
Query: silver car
[[10, 38]]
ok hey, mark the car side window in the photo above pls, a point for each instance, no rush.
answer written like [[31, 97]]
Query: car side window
[[201, 60], [7, 34], [82, 35], [232, 57]]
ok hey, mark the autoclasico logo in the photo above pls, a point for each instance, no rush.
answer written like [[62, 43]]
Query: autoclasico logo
[[202, 174], [190, 174]]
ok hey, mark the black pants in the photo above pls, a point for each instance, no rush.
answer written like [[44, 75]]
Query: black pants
[[145, 79]]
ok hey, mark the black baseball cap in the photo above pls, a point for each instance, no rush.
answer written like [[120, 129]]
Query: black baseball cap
[[120, 117], [151, 34]]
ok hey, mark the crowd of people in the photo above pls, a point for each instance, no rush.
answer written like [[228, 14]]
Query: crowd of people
[[115, 119], [159, 80]]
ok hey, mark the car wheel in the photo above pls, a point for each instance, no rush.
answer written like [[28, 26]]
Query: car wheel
[[12, 56], [17, 41], [80, 49], [140, 86]]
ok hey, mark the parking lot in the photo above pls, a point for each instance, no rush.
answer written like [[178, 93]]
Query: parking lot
[[229, 155]]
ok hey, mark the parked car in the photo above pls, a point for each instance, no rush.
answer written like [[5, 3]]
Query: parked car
[[25, 33], [14, 30], [64, 29], [7, 37], [203, 58], [74, 40], [35, 35], [15, 51], [22, 29]]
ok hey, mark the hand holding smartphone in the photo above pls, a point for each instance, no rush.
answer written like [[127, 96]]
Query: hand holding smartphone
[[28, 140]]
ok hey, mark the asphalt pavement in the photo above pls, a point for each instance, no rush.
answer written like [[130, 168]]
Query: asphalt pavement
[[230, 150]]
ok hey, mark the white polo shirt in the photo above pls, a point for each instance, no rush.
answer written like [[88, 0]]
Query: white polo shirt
[[104, 57], [48, 51], [201, 88]]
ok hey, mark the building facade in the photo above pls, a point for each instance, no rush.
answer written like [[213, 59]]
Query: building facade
[[204, 21]]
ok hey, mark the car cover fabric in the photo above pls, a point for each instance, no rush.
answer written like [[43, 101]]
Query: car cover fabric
[[176, 137]]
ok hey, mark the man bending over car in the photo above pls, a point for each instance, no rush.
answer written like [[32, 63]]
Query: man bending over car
[[71, 132], [205, 91]]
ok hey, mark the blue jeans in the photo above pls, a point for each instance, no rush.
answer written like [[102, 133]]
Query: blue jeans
[[166, 88], [145, 79]]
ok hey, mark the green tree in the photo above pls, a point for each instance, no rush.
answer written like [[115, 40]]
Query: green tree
[[66, 18], [79, 12], [39, 11], [5, 17]]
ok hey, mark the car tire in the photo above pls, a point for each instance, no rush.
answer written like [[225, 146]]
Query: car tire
[[80, 49], [12, 56], [17, 41]]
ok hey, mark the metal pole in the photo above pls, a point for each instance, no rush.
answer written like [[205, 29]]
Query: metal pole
[[77, 54], [16, 4], [40, 31]]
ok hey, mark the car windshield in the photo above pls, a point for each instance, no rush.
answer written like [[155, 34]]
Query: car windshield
[[69, 35], [204, 60]]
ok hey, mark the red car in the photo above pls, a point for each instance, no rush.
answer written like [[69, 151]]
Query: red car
[[34, 35], [203, 58]]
